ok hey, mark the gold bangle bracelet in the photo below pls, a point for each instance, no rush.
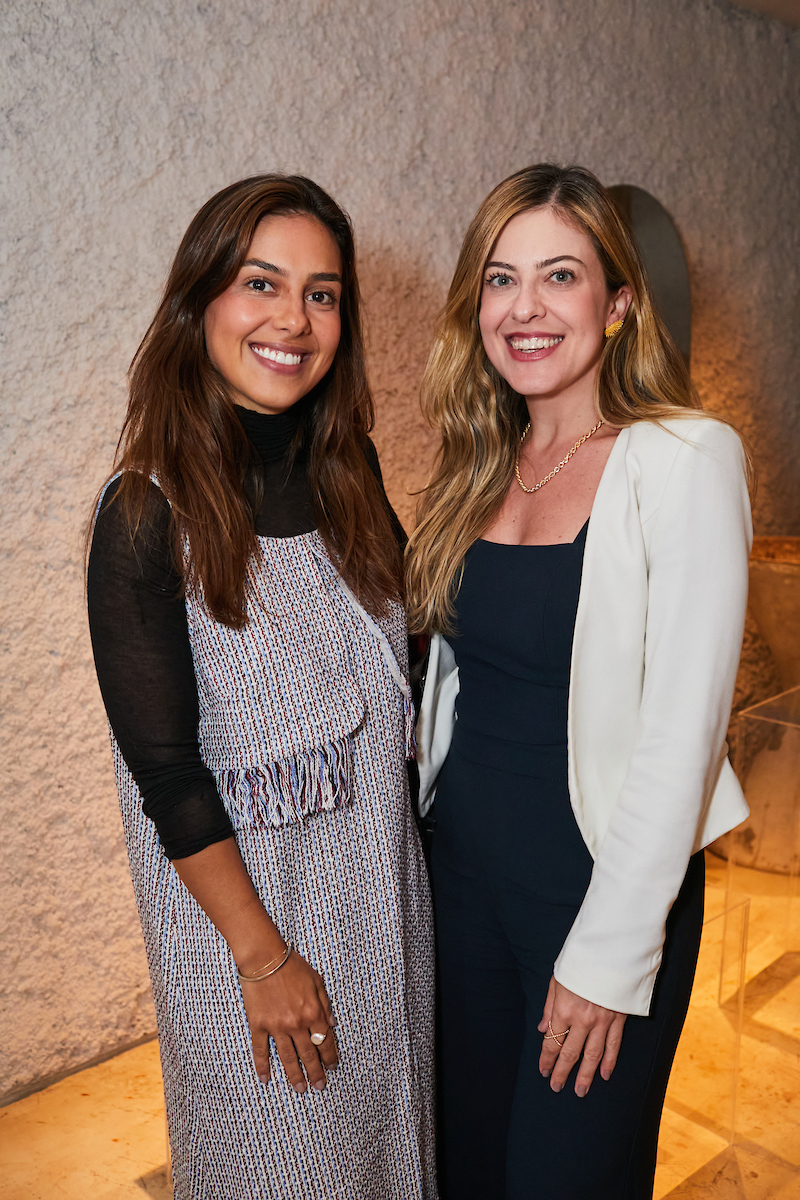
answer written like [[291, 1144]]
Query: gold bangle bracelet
[[267, 970]]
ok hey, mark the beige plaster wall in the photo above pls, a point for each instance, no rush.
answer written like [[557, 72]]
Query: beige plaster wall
[[118, 120]]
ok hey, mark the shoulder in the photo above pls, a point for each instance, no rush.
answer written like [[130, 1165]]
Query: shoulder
[[666, 439], [685, 458], [680, 445], [140, 517], [152, 496]]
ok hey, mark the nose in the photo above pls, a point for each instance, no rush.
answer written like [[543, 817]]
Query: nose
[[528, 303], [290, 312]]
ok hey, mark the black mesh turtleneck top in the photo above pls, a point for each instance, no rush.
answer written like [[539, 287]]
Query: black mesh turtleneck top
[[140, 636]]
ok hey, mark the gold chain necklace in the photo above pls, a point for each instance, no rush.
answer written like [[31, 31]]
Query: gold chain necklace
[[555, 469]]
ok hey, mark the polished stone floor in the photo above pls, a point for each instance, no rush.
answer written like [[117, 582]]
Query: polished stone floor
[[100, 1134]]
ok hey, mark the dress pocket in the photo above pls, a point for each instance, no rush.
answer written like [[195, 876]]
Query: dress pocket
[[279, 772], [290, 789]]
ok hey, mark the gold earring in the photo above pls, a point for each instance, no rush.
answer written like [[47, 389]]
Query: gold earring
[[614, 329]]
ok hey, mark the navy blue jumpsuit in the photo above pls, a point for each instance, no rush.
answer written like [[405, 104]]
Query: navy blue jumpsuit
[[510, 870]]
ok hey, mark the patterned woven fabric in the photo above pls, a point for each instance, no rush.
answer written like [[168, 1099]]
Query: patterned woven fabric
[[305, 722]]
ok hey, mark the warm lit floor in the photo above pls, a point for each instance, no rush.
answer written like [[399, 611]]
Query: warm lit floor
[[100, 1134]]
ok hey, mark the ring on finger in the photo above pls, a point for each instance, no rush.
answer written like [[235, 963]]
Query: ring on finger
[[552, 1036], [318, 1038]]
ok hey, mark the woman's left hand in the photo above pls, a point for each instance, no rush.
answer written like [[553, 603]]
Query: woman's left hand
[[594, 1031]]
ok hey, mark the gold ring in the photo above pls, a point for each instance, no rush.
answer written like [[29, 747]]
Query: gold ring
[[552, 1036], [318, 1038]]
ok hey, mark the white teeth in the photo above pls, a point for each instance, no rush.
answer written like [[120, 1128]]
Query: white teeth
[[278, 356], [535, 343]]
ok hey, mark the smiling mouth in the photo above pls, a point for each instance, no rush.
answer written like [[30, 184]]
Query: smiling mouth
[[534, 343], [278, 356]]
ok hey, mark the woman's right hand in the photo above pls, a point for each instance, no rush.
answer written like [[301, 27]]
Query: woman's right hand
[[288, 1006]]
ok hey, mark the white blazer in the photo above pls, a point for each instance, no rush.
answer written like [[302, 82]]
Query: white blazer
[[658, 634]]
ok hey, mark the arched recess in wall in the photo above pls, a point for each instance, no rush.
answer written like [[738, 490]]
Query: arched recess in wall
[[662, 251]]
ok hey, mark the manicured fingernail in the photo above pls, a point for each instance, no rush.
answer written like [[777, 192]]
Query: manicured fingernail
[[300, 1088], [546, 1074], [581, 1090], [264, 1079], [319, 1085], [556, 1086]]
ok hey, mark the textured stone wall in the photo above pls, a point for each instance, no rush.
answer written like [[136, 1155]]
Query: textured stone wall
[[118, 120]]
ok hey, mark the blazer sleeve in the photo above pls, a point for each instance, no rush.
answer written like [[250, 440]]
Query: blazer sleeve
[[699, 540]]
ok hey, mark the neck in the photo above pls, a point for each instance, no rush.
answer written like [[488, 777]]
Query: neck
[[272, 435], [560, 418]]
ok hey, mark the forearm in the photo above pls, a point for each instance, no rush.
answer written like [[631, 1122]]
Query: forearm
[[218, 880], [288, 1004]]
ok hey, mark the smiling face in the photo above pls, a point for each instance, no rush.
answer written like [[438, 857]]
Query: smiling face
[[544, 306], [273, 333]]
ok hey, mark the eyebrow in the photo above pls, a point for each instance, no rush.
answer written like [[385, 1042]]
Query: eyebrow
[[546, 262], [319, 276]]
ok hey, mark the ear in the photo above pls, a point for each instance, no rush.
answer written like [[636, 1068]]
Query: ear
[[619, 305]]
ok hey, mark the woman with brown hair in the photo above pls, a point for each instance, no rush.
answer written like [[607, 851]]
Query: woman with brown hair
[[581, 560], [244, 586]]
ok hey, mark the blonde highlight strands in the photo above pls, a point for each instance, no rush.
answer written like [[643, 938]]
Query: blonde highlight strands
[[181, 427], [642, 377]]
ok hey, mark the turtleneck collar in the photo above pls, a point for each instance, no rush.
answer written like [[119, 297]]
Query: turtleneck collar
[[271, 434]]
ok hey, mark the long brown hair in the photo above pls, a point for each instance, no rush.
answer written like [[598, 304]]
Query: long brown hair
[[642, 377], [181, 427]]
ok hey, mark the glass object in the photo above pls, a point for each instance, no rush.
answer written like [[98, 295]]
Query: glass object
[[775, 602], [764, 852], [699, 1121], [764, 862]]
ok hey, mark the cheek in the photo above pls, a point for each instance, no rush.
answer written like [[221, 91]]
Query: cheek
[[330, 333], [485, 321], [219, 331], [596, 308], [211, 334], [492, 312], [231, 317], [490, 317]]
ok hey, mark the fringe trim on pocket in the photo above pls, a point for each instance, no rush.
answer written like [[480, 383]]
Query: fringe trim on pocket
[[290, 790]]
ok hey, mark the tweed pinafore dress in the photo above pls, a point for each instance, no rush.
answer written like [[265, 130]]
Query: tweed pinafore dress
[[305, 721]]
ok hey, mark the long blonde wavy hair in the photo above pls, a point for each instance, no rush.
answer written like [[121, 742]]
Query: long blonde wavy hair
[[642, 377]]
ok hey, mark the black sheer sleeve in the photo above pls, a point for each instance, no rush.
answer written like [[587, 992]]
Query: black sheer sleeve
[[144, 666], [141, 644]]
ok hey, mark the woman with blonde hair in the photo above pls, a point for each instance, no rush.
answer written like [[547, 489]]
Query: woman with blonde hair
[[581, 562], [244, 586]]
